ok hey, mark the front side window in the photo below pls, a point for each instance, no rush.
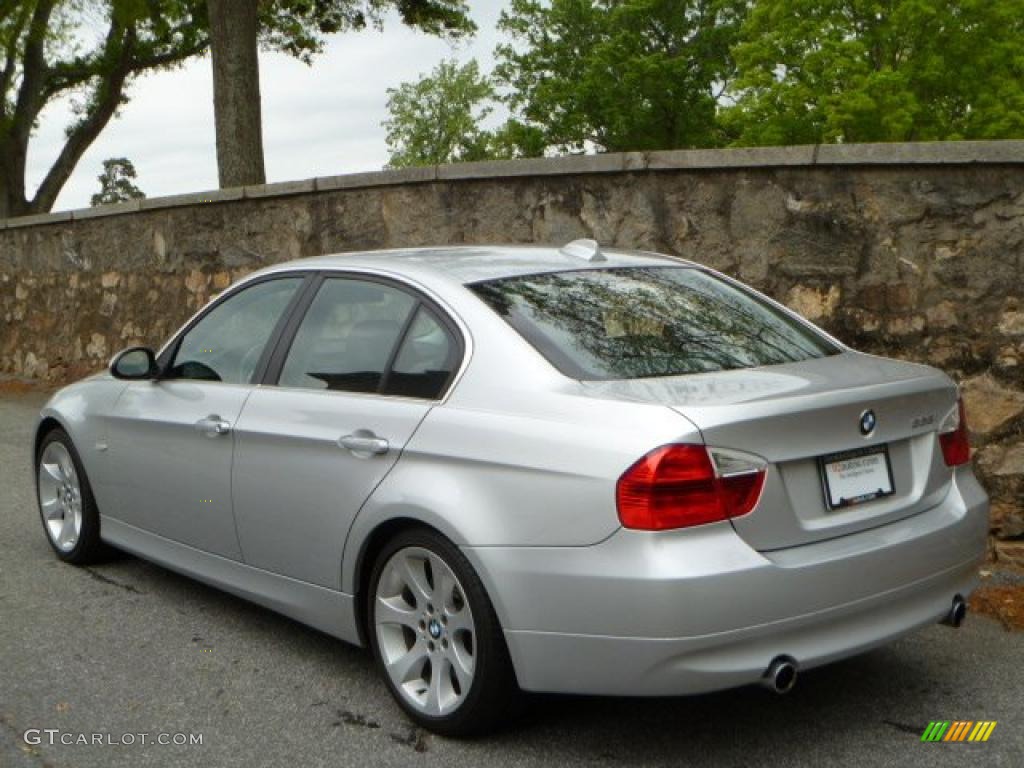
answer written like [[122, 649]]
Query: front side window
[[346, 339], [228, 341], [641, 322]]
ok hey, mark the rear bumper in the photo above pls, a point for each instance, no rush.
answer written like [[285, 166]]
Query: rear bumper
[[699, 610]]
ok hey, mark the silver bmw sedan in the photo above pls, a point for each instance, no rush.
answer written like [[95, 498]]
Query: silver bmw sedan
[[519, 469]]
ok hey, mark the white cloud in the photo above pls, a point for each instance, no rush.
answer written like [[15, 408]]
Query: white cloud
[[317, 121]]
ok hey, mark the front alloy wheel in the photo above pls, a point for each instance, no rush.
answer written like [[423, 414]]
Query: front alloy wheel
[[60, 497], [66, 504], [436, 638]]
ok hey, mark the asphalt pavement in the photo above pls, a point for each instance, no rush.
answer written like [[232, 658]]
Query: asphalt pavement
[[128, 650]]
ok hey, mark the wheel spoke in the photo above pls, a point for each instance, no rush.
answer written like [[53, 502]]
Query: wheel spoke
[[438, 671], [415, 579], [409, 666], [462, 663], [67, 532], [53, 469], [51, 509], [459, 620], [444, 584], [390, 611]]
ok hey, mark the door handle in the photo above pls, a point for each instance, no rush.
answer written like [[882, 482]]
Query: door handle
[[364, 443], [213, 426]]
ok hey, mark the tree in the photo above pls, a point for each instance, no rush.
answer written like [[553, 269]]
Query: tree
[[117, 183], [619, 75], [866, 70], [437, 119], [297, 27], [44, 55], [47, 52]]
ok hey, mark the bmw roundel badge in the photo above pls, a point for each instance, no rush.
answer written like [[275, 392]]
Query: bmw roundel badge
[[868, 422]]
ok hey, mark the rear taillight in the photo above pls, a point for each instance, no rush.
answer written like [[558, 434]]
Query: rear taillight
[[956, 449], [677, 486]]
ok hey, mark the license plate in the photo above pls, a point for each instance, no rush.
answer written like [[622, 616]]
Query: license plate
[[855, 477]]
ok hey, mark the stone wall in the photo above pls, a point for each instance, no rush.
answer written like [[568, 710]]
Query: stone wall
[[915, 251]]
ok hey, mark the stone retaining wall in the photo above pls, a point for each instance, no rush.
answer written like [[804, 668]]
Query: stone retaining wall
[[910, 250]]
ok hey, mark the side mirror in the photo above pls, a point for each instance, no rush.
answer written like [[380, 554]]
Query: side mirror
[[134, 364]]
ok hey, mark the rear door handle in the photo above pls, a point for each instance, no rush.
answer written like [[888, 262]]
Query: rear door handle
[[364, 443], [213, 426]]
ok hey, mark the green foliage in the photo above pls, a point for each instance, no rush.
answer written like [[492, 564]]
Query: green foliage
[[437, 119], [879, 70], [300, 27], [619, 75], [117, 183]]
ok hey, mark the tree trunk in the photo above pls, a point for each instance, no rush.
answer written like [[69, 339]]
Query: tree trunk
[[12, 184], [236, 92], [5, 200]]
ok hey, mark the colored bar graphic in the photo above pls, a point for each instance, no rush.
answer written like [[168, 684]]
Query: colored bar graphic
[[984, 730], [958, 730]]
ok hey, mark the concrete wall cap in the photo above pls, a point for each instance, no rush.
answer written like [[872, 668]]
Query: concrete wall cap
[[939, 153]]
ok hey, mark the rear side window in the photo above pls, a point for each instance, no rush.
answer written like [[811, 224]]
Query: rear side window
[[346, 337], [371, 337], [425, 361], [642, 322]]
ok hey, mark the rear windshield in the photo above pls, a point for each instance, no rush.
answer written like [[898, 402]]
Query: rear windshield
[[639, 322]]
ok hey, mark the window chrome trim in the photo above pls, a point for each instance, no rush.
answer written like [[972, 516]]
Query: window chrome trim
[[468, 342]]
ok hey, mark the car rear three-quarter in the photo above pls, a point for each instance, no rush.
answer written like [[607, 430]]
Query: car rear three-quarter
[[814, 503], [560, 470]]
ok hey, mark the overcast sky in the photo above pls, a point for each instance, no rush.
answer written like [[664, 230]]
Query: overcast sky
[[317, 121]]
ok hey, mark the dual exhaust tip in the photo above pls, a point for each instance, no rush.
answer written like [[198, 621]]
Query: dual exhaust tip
[[781, 674]]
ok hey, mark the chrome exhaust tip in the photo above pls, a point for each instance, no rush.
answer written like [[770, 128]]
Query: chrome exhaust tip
[[780, 675], [957, 613]]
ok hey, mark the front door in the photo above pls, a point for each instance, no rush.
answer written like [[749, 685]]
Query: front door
[[171, 440]]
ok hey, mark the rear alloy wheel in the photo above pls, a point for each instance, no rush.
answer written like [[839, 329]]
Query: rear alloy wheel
[[436, 637], [66, 504]]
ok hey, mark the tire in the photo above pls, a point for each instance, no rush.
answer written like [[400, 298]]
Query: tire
[[435, 630], [67, 507]]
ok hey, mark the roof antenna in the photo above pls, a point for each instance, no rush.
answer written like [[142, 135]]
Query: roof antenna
[[588, 250]]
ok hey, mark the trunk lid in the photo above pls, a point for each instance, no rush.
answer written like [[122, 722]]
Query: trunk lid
[[794, 414]]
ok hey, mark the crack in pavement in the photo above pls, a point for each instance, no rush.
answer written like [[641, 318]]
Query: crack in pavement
[[917, 730], [107, 580]]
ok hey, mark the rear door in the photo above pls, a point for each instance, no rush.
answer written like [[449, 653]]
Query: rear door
[[347, 388]]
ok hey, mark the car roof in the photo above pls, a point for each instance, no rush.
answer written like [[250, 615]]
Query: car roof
[[474, 263]]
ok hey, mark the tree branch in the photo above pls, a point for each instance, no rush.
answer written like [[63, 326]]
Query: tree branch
[[33, 70], [11, 49], [108, 97], [65, 76]]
